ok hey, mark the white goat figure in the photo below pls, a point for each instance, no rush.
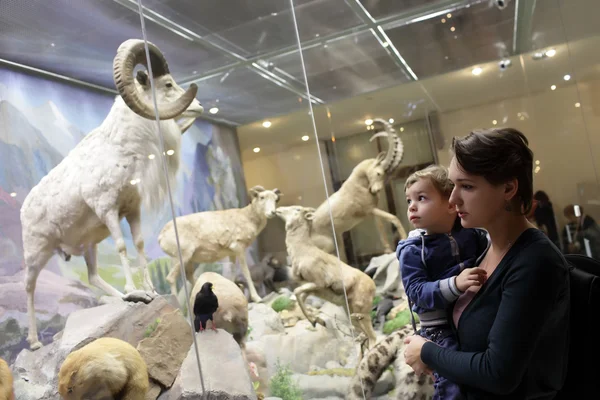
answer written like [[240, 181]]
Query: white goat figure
[[358, 196], [108, 176], [324, 275], [209, 236]]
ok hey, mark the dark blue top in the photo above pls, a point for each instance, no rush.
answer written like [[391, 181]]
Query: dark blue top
[[429, 263]]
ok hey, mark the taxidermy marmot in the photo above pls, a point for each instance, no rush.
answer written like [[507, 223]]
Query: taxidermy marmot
[[6, 382], [107, 368]]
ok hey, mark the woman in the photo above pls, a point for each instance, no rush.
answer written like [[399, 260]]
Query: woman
[[512, 330]]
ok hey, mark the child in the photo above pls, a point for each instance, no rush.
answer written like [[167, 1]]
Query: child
[[435, 260]]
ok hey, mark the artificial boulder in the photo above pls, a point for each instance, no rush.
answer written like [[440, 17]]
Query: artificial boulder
[[224, 371]]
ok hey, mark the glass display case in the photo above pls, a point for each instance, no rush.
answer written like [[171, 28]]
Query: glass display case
[[214, 191]]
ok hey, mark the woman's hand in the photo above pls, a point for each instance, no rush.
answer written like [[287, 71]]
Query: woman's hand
[[412, 354]]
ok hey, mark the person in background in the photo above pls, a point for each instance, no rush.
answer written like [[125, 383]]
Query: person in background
[[513, 331], [581, 234], [545, 218]]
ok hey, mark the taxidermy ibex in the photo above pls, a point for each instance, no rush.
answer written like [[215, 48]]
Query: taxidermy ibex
[[358, 196], [107, 177]]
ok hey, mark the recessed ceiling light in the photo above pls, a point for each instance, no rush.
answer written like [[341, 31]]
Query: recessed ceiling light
[[256, 149], [494, 122], [453, 29], [391, 120], [553, 87], [577, 105], [567, 77], [537, 162], [305, 138], [476, 71], [449, 15], [151, 156], [52, 44], [214, 110], [170, 152], [13, 194], [401, 129], [266, 124], [443, 20], [551, 53], [369, 121]]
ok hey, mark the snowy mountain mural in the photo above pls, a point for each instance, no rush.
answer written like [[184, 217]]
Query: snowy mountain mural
[[41, 121]]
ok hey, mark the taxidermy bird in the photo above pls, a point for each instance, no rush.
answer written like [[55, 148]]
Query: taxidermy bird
[[205, 305]]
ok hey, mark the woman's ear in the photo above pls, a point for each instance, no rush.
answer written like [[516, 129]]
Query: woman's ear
[[510, 189]]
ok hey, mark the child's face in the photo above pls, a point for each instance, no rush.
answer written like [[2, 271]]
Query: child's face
[[427, 208]]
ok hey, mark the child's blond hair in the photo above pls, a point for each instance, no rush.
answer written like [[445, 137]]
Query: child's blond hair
[[437, 174]]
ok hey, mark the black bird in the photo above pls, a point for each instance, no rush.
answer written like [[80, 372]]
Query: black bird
[[205, 304]]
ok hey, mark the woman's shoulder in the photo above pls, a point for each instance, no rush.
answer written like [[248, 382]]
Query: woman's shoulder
[[534, 248]]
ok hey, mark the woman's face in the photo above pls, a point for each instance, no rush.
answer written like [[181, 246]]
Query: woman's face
[[477, 201]]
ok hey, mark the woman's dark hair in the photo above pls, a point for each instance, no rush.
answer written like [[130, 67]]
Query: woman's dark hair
[[498, 155]]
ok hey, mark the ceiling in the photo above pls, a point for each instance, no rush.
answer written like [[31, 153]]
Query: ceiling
[[243, 54]]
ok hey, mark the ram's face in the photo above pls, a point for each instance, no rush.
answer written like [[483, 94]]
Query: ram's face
[[167, 91]]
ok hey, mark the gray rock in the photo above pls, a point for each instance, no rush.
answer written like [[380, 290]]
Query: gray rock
[[264, 321], [322, 386], [224, 371], [303, 347]]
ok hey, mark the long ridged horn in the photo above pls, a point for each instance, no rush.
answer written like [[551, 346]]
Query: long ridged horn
[[395, 151], [131, 53]]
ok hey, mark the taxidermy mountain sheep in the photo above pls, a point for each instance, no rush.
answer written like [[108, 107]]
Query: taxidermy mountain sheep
[[108, 176], [209, 236], [324, 275]]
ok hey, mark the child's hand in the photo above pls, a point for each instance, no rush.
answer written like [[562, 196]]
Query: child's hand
[[470, 277]]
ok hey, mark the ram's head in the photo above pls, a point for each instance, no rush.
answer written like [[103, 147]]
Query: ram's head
[[172, 101]]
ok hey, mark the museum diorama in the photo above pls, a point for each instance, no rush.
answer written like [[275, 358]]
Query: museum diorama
[[204, 199]]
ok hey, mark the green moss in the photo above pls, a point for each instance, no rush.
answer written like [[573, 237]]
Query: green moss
[[151, 328], [400, 321], [283, 303], [334, 372], [282, 384]]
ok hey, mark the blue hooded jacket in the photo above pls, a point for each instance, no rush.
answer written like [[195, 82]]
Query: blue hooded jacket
[[429, 263]]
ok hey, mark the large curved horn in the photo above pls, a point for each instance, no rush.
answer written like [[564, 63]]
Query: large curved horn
[[131, 53], [395, 150], [186, 124]]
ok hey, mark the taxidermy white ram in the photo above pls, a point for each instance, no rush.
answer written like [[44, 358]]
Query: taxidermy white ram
[[358, 196], [209, 236], [108, 176]]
